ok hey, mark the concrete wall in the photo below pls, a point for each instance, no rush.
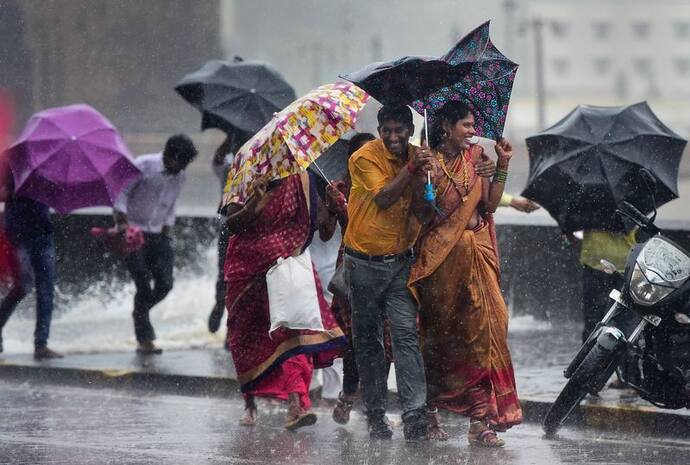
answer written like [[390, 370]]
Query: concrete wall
[[540, 274], [122, 57]]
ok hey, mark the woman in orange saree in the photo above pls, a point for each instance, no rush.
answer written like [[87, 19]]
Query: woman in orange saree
[[463, 317]]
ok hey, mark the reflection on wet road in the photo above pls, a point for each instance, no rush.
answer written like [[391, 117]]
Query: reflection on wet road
[[45, 424]]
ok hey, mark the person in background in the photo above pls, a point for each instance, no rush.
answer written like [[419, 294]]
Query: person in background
[[518, 202], [596, 285], [340, 304], [220, 164], [29, 230], [149, 203]]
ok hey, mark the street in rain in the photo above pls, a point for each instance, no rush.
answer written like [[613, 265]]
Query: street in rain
[[353, 232]]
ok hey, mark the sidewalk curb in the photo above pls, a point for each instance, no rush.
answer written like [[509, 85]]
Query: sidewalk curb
[[620, 418], [121, 379]]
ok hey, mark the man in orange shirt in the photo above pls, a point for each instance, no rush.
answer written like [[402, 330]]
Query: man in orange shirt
[[385, 200]]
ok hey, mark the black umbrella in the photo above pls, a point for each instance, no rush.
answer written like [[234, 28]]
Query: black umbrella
[[406, 79], [585, 165], [241, 95], [333, 163]]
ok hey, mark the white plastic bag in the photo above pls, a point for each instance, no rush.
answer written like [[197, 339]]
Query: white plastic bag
[[292, 298]]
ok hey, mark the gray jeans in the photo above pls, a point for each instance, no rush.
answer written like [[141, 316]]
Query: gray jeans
[[375, 288]]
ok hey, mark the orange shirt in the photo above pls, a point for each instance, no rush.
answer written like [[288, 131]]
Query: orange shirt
[[371, 230]]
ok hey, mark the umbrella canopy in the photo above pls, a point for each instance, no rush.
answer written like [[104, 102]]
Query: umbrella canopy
[[585, 165], [333, 162], [406, 79], [295, 137], [485, 88], [71, 157], [236, 96]]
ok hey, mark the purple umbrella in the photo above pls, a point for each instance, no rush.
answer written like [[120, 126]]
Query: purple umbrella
[[71, 157]]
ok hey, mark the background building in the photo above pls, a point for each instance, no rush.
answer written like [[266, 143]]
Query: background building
[[124, 57]]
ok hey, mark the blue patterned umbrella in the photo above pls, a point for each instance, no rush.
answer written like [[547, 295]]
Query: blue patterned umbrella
[[486, 88]]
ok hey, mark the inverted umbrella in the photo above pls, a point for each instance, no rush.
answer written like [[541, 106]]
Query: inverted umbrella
[[485, 88], [71, 157], [236, 96], [402, 81], [585, 165], [295, 137]]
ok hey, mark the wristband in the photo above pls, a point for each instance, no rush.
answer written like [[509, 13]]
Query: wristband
[[411, 168]]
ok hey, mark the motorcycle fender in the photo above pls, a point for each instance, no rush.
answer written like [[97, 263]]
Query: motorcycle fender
[[611, 338]]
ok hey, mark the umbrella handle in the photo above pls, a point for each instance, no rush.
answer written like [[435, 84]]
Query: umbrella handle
[[429, 194], [323, 175]]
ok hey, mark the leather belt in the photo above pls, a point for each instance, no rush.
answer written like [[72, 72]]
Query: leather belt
[[409, 253]]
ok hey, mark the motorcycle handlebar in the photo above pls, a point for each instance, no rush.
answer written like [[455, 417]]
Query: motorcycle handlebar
[[639, 218]]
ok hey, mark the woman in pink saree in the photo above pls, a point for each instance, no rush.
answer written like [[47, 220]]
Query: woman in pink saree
[[274, 223]]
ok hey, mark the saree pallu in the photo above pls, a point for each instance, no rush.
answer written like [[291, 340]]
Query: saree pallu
[[463, 317], [281, 363]]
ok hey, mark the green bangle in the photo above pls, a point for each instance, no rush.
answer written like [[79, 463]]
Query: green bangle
[[501, 176]]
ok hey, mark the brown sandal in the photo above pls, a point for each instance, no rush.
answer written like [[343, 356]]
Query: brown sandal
[[484, 438], [342, 409], [435, 431]]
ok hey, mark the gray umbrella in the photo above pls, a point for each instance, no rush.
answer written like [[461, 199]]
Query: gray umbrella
[[236, 96]]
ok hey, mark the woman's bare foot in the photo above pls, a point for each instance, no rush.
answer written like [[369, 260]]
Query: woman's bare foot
[[480, 434], [250, 412]]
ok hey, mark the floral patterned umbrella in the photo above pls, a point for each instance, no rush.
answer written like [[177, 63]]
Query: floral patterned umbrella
[[486, 88], [295, 137]]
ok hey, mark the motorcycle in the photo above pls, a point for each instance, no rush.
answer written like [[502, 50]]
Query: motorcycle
[[654, 357]]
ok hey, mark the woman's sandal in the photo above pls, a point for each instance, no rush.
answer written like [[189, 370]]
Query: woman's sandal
[[435, 430], [485, 438], [249, 417], [342, 409], [301, 419]]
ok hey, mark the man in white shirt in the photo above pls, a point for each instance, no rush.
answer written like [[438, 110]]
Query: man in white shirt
[[149, 203]]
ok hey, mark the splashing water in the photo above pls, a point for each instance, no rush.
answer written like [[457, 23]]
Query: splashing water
[[99, 320]]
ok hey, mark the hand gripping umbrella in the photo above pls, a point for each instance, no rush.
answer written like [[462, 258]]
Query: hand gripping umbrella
[[585, 165]]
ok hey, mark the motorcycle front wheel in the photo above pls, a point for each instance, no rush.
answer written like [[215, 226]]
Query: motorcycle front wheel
[[599, 364]]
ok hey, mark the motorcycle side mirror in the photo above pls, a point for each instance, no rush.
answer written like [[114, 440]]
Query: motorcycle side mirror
[[608, 267], [647, 177]]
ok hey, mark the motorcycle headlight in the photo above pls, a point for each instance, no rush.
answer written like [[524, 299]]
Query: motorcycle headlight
[[645, 292]]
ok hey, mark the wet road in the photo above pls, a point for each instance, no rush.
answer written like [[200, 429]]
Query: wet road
[[43, 424]]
